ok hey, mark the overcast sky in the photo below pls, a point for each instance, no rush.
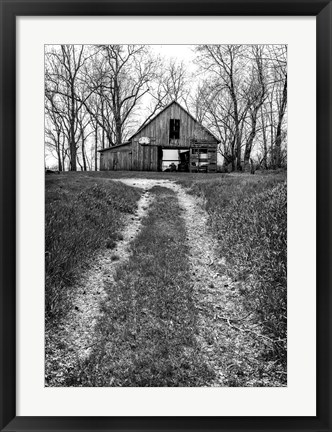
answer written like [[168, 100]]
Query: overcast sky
[[182, 52]]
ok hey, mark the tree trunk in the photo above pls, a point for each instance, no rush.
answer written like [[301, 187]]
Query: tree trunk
[[59, 162], [63, 154], [109, 138], [237, 130], [58, 151], [117, 111], [249, 143], [96, 147], [118, 131], [78, 161], [72, 146], [72, 143], [277, 145], [264, 160], [83, 154], [103, 128]]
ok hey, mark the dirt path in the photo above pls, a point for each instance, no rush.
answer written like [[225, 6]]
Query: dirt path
[[75, 335], [209, 285]]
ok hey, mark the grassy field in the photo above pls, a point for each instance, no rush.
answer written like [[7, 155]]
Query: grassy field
[[82, 215], [249, 218], [149, 312], [248, 214]]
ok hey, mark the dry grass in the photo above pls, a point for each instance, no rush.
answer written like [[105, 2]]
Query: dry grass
[[82, 215], [248, 214]]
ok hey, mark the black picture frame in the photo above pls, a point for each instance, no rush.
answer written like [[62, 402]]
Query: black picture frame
[[9, 10]]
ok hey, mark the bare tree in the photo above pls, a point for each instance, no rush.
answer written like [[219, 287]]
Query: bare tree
[[84, 123], [54, 132], [279, 58], [256, 95], [174, 82], [127, 72], [272, 117], [244, 99], [197, 103], [62, 83], [171, 82], [226, 65]]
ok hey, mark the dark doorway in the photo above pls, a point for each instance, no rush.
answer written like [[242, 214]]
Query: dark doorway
[[184, 160]]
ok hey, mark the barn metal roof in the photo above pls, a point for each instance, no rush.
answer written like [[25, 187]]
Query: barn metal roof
[[115, 146]]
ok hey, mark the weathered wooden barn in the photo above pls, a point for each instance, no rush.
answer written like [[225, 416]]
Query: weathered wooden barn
[[173, 128]]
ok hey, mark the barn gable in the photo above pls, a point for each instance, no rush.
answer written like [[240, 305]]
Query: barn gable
[[159, 129]]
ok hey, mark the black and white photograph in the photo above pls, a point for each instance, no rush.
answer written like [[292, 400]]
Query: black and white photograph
[[165, 215]]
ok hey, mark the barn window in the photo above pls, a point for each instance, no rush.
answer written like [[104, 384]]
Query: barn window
[[174, 129]]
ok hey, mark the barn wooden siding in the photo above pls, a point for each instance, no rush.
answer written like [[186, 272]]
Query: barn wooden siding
[[117, 158], [134, 157], [146, 157]]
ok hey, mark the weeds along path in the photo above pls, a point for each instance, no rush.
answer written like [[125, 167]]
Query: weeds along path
[[74, 336]]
